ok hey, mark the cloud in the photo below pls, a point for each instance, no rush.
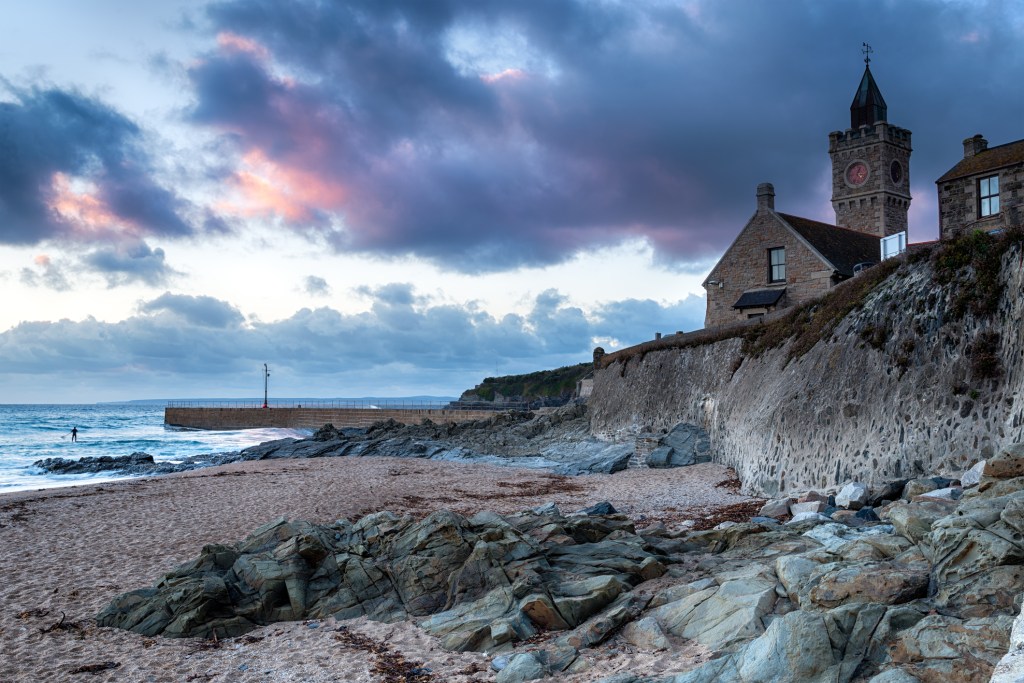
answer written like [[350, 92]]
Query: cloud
[[46, 274], [130, 263], [74, 169], [199, 311], [404, 338], [316, 286], [488, 135]]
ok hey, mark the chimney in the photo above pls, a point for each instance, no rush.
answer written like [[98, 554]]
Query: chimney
[[765, 197], [974, 145]]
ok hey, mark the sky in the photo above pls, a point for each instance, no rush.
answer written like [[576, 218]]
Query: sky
[[402, 197]]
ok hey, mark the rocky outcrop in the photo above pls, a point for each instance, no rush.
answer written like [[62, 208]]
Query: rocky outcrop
[[899, 389], [558, 441], [931, 598], [137, 463]]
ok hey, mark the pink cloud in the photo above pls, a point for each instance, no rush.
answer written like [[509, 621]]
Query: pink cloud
[[232, 42], [78, 206], [267, 187]]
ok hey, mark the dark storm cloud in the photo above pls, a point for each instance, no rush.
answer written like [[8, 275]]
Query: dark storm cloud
[[48, 139], [130, 263], [402, 336], [652, 120]]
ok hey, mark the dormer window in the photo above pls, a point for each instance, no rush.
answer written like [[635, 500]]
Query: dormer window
[[988, 196], [777, 264]]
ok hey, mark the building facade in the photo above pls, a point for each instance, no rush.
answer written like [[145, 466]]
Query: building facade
[[984, 191], [780, 260]]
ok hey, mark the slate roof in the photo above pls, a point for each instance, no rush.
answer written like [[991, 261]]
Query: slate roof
[[868, 104], [987, 160], [842, 248], [759, 298]]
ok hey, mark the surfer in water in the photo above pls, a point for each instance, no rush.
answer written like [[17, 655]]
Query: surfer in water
[[74, 433]]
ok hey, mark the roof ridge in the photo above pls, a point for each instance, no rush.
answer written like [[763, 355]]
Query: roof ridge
[[830, 225]]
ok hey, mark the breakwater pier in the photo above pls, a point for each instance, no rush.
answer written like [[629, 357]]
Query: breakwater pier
[[312, 415]]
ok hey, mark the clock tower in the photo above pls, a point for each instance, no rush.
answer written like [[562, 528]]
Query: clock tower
[[870, 165]]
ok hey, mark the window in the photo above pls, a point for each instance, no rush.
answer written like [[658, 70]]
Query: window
[[777, 265], [988, 196]]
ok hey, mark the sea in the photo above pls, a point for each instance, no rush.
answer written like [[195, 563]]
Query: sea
[[29, 433]]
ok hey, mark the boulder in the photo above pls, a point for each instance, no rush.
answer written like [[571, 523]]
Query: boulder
[[954, 649], [685, 444], [916, 487], [645, 634], [875, 582], [1008, 464], [914, 520], [777, 508], [521, 667], [808, 506], [719, 617], [853, 496], [794, 649], [972, 477], [951, 493]]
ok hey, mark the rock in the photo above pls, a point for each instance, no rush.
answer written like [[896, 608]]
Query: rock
[[478, 583], [847, 517], [546, 509], [876, 582], [807, 517], [768, 521], [916, 487], [813, 497], [853, 496], [868, 514], [604, 508], [777, 508], [894, 676], [1007, 464], [718, 617], [794, 649], [685, 445], [887, 492], [955, 649], [914, 520], [136, 464], [521, 667], [808, 506], [645, 634], [972, 477], [950, 493]]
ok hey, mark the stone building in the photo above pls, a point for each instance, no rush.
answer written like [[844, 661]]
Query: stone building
[[779, 260], [984, 191]]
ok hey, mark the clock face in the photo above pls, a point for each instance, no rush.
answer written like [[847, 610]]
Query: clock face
[[857, 173], [896, 172]]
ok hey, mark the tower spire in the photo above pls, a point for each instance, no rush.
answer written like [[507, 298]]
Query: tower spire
[[868, 104]]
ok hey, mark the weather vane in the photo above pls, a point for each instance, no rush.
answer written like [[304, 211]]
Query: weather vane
[[866, 49]]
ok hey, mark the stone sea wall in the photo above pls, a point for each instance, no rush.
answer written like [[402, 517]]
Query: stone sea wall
[[897, 391], [310, 418]]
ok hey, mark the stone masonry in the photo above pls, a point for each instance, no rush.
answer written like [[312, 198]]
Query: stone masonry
[[879, 205], [846, 410], [958, 196], [746, 267]]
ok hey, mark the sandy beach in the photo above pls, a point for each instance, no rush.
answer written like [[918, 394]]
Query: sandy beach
[[65, 553]]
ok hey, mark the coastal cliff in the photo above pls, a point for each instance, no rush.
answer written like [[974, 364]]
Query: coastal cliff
[[923, 374]]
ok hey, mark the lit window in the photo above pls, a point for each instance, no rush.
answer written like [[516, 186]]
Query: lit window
[[777, 265], [988, 193]]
